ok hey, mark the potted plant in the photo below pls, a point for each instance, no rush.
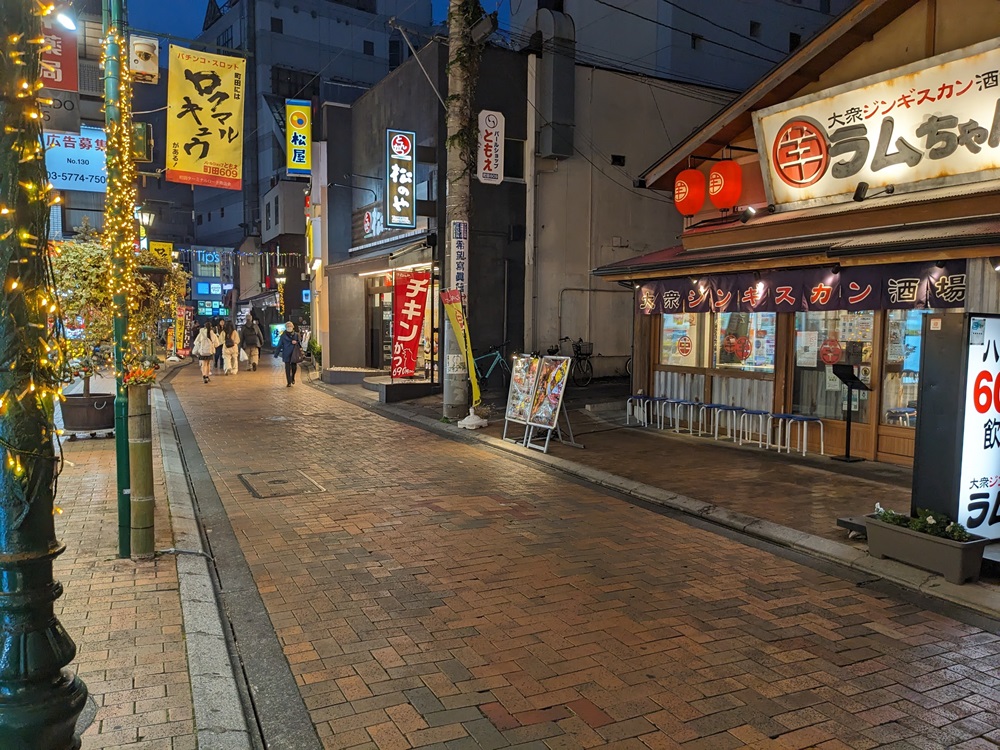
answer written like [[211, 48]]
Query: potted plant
[[80, 268], [931, 541]]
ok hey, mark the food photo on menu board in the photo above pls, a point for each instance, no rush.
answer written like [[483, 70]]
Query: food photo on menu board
[[548, 394], [522, 383]]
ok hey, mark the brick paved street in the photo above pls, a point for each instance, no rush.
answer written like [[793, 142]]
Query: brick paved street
[[124, 616], [438, 594]]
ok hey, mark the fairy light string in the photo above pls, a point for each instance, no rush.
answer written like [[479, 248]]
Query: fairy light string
[[120, 233], [32, 349]]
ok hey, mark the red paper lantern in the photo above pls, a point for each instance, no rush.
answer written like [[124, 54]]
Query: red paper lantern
[[725, 184], [689, 192]]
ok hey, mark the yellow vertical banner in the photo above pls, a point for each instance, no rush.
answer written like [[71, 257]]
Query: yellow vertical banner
[[205, 119], [452, 300], [298, 137]]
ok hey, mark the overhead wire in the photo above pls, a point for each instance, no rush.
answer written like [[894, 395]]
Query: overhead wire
[[724, 28], [705, 39]]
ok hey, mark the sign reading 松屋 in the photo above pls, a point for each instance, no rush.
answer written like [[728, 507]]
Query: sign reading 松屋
[[400, 170], [490, 151], [934, 122], [298, 137], [205, 119]]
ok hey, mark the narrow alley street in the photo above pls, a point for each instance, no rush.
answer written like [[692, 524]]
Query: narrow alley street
[[423, 592]]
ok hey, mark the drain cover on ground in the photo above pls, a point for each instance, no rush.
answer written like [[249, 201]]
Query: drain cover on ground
[[280, 483]]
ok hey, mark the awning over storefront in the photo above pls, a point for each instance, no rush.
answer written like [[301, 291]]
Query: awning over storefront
[[390, 256], [933, 240]]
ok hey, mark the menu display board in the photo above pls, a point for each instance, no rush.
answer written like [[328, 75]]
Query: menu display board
[[552, 377], [524, 375]]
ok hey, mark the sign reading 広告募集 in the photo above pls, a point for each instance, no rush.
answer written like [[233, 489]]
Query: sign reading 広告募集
[[933, 122], [205, 119]]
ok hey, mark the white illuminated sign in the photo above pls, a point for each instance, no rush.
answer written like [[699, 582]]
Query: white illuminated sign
[[979, 499], [490, 151], [76, 161], [935, 122]]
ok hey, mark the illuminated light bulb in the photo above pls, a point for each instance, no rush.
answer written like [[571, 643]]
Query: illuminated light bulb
[[56, 510], [13, 285]]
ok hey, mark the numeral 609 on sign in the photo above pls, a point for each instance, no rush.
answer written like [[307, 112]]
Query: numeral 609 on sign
[[983, 395]]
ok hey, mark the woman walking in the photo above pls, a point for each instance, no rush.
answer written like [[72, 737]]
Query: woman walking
[[204, 349], [289, 348], [217, 330], [231, 348]]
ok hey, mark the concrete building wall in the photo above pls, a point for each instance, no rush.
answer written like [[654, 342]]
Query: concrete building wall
[[663, 45], [588, 213]]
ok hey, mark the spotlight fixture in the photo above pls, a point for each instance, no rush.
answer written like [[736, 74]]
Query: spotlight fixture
[[861, 192], [748, 213]]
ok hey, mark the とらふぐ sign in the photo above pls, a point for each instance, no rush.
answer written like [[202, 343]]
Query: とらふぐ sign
[[932, 123], [298, 137], [205, 119], [400, 171]]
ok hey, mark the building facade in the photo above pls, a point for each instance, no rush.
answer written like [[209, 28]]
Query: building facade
[[725, 43], [861, 212]]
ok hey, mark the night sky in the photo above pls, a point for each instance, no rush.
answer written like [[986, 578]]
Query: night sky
[[184, 18]]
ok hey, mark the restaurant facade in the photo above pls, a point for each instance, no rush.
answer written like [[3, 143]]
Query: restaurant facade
[[845, 201]]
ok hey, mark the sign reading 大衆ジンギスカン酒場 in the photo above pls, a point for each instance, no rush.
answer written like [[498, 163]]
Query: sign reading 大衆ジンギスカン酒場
[[934, 122]]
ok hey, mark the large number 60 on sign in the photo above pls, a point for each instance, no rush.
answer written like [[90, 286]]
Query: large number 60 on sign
[[979, 483]]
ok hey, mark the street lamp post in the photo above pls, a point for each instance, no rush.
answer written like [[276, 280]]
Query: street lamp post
[[114, 31]]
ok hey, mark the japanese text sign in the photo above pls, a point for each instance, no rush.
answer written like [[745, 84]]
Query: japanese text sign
[[298, 137], [76, 161], [205, 120], [460, 258], [463, 362], [490, 151], [409, 300], [884, 287], [60, 63], [934, 122], [400, 171], [979, 479]]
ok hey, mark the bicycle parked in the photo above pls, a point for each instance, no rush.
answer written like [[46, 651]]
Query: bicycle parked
[[581, 368], [487, 363]]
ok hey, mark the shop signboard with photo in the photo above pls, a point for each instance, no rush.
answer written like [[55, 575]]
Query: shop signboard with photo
[[523, 378], [931, 123]]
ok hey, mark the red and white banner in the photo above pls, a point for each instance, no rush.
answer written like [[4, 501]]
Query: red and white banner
[[409, 300], [60, 63]]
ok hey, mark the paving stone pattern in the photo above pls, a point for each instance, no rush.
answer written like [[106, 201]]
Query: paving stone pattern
[[450, 596], [124, 616]]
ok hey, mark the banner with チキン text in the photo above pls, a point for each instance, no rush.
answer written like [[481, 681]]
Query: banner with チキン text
[[205, 119], [409, 300]]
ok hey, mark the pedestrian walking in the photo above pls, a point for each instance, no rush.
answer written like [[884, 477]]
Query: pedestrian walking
[[230, 348], [204, 349], [217, 330], [251, 339], [289, 348]]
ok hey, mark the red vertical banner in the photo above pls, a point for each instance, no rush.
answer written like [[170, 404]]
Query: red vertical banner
[[409, 301], [60, 64]]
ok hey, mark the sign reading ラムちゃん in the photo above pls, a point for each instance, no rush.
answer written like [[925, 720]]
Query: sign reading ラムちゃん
[[934, 122]]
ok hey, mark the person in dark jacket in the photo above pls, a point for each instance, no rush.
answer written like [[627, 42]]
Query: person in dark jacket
[[289, 348], [252, 339]]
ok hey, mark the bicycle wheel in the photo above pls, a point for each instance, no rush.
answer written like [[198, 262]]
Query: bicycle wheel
[[628, 366], [583, 373]]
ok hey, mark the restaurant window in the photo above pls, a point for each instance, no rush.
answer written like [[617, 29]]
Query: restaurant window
[[901, 380], [682, 339], [745, 341], [825, 338]]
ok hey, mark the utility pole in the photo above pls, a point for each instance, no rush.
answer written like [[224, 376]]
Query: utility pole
[[39, 700], [463, 68], [116, 236]]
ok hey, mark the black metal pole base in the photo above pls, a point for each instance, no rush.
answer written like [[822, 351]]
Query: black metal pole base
[[847, 459], [44, 716]]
